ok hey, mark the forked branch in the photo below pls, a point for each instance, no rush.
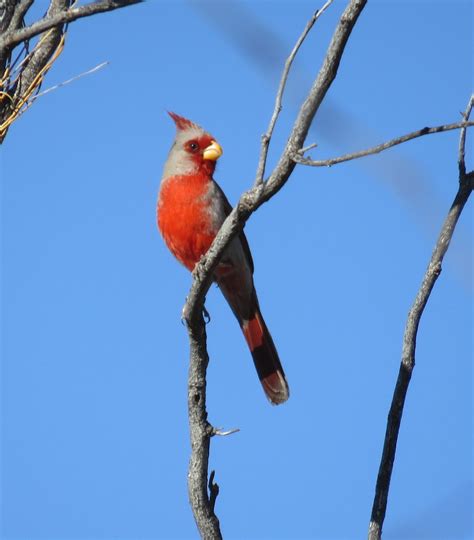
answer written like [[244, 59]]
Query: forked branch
[[466, 185], [201, 501], [63, 16], [299, 158]]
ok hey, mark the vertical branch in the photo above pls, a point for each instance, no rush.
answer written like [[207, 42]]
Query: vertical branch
[[279, 96], [466, 184], [201, 432]]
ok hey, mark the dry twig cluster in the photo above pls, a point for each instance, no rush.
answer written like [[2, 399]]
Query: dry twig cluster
[[24, 64]]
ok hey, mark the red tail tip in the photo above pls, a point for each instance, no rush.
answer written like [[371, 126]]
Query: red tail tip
[[276, 388]]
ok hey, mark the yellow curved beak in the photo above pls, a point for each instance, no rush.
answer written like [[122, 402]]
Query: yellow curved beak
[[213, 152]]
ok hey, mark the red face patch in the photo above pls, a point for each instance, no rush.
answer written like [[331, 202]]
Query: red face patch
[[196, 147]]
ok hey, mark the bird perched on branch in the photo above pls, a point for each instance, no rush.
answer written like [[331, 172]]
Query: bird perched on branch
[[191, 209]]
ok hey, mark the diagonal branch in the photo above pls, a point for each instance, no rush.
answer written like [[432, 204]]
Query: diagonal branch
[[201, 502], [251, 200], [466, 185], [380, 147], [13, 38]]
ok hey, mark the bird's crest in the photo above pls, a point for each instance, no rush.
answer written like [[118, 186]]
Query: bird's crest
[[181, 122]]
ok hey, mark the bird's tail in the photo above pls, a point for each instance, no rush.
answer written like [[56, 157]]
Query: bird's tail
[[265, 356]]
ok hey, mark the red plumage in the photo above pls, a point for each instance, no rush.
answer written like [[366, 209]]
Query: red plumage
[[191, 210]]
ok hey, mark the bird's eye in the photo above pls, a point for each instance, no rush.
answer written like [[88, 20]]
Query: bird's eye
[[193, 146]]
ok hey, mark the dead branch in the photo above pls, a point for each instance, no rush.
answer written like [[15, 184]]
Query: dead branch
[[298, 157], [279, 96], [60, 17], [200, 429], [466, 185], [255, 197]]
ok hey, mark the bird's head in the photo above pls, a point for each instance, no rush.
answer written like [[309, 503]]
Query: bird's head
[[193, 151]]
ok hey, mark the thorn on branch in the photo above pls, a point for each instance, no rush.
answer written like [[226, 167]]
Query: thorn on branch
[[301, 151], [470, 179], [205, 314], [213, 490], [185, 314], [223, 433]]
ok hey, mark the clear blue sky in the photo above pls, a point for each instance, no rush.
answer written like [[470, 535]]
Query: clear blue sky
[[94, 356]]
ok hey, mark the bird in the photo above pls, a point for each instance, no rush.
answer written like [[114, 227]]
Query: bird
[[190, 211]]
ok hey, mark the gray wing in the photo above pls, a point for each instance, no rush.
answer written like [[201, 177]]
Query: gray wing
[[242, 237]]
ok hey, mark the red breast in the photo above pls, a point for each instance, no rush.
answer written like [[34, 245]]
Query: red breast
[[184, 217]]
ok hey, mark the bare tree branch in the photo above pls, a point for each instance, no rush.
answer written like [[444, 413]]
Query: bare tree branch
[[20, 11], [44, 51], [202, 502], [380, 147], [466, 185], [254, 198], [7, 9], [462, 140], [279, 96], [250, 36], [11, 39], [200, 429]]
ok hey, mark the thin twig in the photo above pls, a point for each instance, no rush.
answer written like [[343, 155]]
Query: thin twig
[[279, 96], [14, 37], [225, 432], [75, 78], [409, 342], [301, 151], [380, 147], [462, 138]]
